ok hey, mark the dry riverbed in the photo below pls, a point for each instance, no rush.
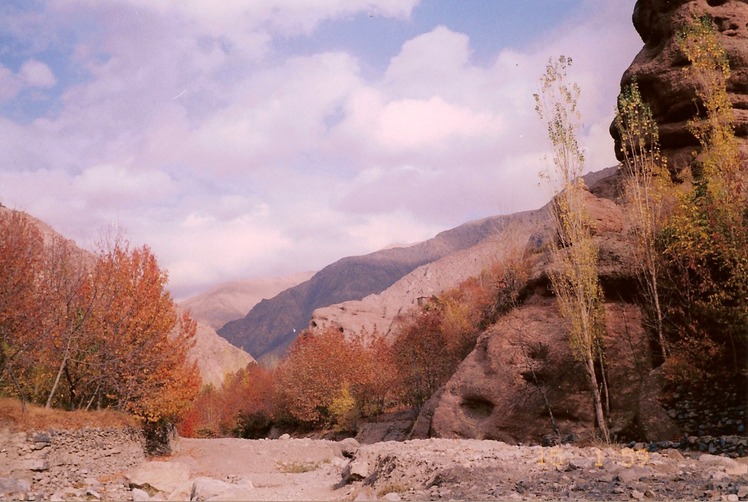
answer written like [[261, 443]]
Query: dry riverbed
[[109, 465], [306, 469]]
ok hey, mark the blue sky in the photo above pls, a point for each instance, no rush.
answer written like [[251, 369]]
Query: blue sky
[[256, 138]]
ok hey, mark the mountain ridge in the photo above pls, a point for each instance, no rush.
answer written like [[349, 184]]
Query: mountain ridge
[[272, 325]]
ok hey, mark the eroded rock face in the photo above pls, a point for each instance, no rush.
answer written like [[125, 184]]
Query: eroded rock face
[[667, 88], [522, 370], [500, 389]]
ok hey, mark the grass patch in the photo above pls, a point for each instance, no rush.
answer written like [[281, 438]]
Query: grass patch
[[37, 418], [296, 467]]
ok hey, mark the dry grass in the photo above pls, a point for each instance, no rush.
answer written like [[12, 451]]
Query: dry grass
[[38, 418], [296, 467]]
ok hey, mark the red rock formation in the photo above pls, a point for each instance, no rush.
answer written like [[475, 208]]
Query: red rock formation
[[658, 68], [523, 366]]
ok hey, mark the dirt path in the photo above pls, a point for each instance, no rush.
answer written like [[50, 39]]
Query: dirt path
[[238, 469]]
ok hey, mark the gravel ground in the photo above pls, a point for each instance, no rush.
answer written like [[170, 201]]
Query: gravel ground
[[434, 469]]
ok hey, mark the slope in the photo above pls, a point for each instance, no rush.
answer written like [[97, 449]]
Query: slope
[[271, 326]]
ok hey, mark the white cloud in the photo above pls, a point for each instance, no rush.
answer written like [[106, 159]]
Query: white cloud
[[232, 160], [37, 74]]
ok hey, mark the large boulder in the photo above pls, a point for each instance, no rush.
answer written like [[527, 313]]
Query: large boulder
[[522, 371], [671, 92]]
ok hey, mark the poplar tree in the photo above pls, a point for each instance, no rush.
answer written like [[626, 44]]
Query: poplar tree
[[573, 275], [645, 183]]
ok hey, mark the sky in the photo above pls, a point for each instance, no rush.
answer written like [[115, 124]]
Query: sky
[[257, 138]]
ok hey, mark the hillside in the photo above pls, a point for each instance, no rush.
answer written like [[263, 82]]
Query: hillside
[[270, 327], [232, 300]]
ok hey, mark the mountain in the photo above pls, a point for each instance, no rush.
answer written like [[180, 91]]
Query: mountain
[[379, 311], [519, 231], [232, 300], [272, 325], [215, 357]]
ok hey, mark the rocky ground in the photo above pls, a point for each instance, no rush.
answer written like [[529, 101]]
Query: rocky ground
[[35, 468]]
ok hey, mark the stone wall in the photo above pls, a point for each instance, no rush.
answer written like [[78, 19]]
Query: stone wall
[[71, 464]]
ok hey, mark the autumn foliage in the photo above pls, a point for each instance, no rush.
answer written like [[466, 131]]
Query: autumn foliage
[[82, 331], [331, 379]]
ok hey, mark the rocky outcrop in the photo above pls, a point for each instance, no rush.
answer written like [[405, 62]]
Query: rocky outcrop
[[522, 371], [658, 68], [522, 375]]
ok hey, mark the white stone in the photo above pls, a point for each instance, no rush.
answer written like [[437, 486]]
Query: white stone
[[139, 495], [163, 476], [360, 468]]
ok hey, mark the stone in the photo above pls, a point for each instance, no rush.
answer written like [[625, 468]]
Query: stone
[[93, 493], [732, 498], [348, 447], [392, 497], [163, 476], [284, 437], [637, 495], [743, 491], [672, 453], [581, 463], [139, 495], [36, 465], [633, 474], [213, 489], [13, 485], [736, 470], [358, 469]]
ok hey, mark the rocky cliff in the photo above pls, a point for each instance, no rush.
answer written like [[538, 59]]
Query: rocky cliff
[[521, 381], [669, 91]]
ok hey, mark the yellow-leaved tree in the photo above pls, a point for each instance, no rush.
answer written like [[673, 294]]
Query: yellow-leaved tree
[[574, 276], [646, 185], [706, 241]]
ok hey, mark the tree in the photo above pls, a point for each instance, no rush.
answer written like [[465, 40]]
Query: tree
[[69, 297], [137, 342], [706, 241], [313, 373], [574, 276], [645, 184], [21, 263]]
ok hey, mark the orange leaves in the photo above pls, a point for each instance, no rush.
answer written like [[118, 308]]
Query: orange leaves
[[78, 330], [140, 345], [325, 367], [241, 407]]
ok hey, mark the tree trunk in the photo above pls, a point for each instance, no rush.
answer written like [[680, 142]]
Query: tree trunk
[[600, 417]]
